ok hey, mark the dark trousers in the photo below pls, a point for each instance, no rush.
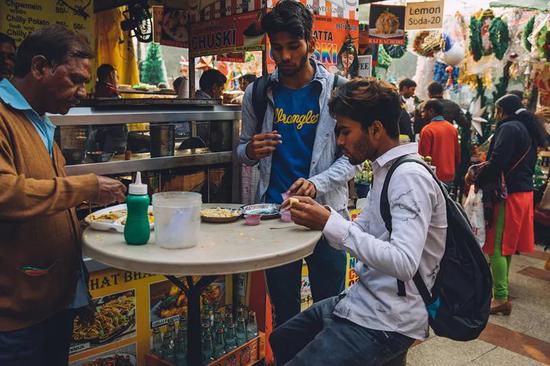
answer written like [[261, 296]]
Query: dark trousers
[[43, 344], [327, 276], [318, 337]]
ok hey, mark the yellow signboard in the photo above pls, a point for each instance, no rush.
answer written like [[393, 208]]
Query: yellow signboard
[[19, 18], [424, 15]]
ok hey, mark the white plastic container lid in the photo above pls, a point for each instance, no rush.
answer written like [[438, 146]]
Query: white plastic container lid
[[177, 199], [137, 188]]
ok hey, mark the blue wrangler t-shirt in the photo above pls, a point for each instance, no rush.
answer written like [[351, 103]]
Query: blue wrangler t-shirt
[[296, 118]]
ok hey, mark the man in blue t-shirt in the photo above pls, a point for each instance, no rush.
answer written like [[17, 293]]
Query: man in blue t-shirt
[[295, 148]]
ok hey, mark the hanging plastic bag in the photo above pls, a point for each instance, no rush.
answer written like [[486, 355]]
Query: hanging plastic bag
[[473, 206]]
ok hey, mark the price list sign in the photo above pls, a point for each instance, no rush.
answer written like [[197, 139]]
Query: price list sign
[[19, 18]]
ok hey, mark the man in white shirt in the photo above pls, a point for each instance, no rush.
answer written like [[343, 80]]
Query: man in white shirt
[[370, 324]]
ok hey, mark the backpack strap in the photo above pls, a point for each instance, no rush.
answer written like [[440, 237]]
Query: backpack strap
[[259, 100], [386, 216]]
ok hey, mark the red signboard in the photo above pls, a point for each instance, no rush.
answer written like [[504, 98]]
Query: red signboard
[[229, 34]]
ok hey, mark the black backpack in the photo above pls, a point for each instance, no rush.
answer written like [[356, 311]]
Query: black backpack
[[259, 96], [459, 305]]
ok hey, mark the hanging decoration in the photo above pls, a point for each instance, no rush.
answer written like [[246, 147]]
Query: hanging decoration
[[446, 74], [543, 42], [500, 37], [488, 35], [527, 33], [475, 39], [396, 51], [384, 59], [427, 43], [424, 75]]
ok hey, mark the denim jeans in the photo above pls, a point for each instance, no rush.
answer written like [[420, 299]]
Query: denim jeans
[[318, 337], [43, 344], [327, 276]]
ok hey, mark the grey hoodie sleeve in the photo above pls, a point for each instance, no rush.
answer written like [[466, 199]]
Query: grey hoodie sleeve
[[249, 128], [339, 173]]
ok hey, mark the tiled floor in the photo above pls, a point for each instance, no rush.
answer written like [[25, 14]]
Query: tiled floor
[[523, 338]]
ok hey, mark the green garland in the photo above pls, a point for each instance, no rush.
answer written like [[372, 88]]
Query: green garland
[[397, 51], [475, 39], [527, 33], [543, 42], [499, 36], [384, 60]]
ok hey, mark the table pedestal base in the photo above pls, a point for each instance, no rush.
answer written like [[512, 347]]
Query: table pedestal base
[[193, 292]]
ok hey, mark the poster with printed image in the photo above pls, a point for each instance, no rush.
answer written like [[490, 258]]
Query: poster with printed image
[[115, 319], [124, 356], [167, 302], [174, 31], [387, 24]]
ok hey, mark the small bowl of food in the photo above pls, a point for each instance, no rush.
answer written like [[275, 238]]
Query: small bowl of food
[[220, 215], [252, 219], [286, 216]]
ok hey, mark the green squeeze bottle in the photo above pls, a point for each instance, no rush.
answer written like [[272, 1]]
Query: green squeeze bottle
[[136, 230]]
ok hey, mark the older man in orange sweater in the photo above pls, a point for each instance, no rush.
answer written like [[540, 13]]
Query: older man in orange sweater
[[42, 277], [439, 139]]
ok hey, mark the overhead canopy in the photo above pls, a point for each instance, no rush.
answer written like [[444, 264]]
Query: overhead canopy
[[524, 4]]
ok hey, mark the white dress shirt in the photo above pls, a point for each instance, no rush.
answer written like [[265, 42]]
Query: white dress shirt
[[417, 242]]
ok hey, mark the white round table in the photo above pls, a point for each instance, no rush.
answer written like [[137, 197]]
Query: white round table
[[223, 249]]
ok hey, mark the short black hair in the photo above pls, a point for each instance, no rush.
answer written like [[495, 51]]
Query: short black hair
[[211, 77], [55, 42], [4, 38], [435, 88], [177, 83], [367, 100], [434, 105], [289, 16], [517, 93], [406, 83], [103, 71], [249, 78]]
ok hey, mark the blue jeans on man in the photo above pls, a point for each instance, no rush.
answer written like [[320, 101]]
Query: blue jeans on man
[[318, 337], [327, 277], [43, 344]]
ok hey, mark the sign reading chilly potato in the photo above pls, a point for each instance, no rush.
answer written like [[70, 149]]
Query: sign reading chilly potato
[[387, 24], [424, 15]]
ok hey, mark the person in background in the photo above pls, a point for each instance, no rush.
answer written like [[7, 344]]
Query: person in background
[[295, 147], [212, 83], [517, 93], [107, 138], [107, 82], [177, 84], [43, 280], [451, 111], [245, 80], [439, 139], [512, 153], [407, 88], [370, 324], [405, 124], [7, 56]]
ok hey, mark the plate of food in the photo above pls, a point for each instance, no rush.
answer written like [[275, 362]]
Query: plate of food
[[113, 218], [220, 215], [115, 359], [114, 316], [266, 210]]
